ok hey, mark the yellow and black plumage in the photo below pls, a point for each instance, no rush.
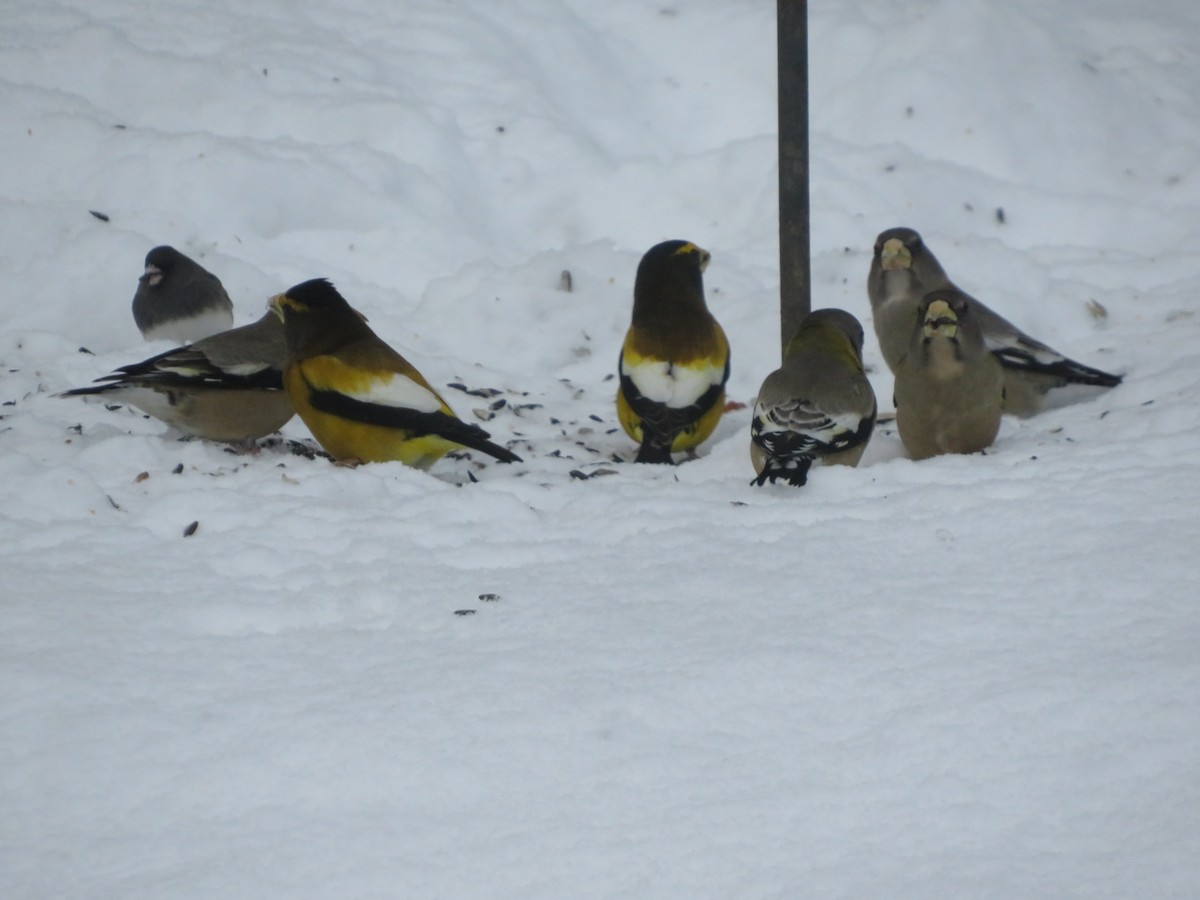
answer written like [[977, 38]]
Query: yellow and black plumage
[[361, 399], [675, 359]]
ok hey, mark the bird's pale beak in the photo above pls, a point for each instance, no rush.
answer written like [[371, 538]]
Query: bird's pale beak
[[152, 275], [276, 304], [940, 320], [894, 255]]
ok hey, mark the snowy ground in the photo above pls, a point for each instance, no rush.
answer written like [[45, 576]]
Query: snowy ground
[[967, 677]]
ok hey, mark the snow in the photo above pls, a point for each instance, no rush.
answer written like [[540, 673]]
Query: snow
[[969, 676]]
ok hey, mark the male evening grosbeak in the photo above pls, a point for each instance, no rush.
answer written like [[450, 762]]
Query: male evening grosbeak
[[362, 400], [675, 359]]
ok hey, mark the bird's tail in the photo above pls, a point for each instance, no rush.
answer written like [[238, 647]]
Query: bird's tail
[[795, 475], [651, 451], [483, 445], [83, 391], [1070, 371]]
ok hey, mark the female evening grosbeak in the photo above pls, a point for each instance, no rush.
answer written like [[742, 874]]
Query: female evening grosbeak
[[675, 359], [818, 406], [228, 387], [904, 271], [361, 399], [949, 388]]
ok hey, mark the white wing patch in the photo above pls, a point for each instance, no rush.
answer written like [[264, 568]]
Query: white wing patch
[[817, 427], [399, 391], [670, 385]]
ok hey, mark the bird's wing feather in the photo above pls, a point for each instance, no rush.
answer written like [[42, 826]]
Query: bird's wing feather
[[389, 400], [797, 427]]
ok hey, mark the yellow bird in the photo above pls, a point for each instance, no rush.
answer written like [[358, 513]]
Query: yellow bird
[[362, 400], [675, 359]]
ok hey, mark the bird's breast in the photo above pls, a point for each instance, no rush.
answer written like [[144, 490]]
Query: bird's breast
[[671, 384]]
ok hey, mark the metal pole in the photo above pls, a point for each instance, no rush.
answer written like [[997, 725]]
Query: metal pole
[[795, 289]]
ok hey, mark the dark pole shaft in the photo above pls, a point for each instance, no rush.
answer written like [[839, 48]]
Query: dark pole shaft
[[795, 289]]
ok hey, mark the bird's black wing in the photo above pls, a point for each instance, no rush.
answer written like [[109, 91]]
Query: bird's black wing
[[418, 423]]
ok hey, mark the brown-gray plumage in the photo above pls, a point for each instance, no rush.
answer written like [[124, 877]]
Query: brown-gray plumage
[[227, 387], [904, 270], [816, 407], [949, 389], [179, 300]]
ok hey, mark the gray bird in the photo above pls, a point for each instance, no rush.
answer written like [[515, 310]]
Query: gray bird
[[949, 389], [179, 300], [227, 387], [903, 271], [818, 406]]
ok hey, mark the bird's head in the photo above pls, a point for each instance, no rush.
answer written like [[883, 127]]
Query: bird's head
[[682, 255], [669, 276], [315, 297], [834, 331], [895, 247], [942, 312], [159, 262], [315, 315]]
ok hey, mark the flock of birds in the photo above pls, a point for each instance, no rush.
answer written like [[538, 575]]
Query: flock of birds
[[958, 368]]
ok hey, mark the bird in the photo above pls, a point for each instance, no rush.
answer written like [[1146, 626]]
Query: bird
[[818, 406], [179, 300], [362, 400], [904, 270], [949, 391], [674, 361], [227, 387]]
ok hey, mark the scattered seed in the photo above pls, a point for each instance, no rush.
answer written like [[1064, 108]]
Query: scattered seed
[[191, 529], [564, 281], [464, 612], [99, 215], [178, 470], [86, 350], [141, 476], [1000, 217], [489, 598]]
